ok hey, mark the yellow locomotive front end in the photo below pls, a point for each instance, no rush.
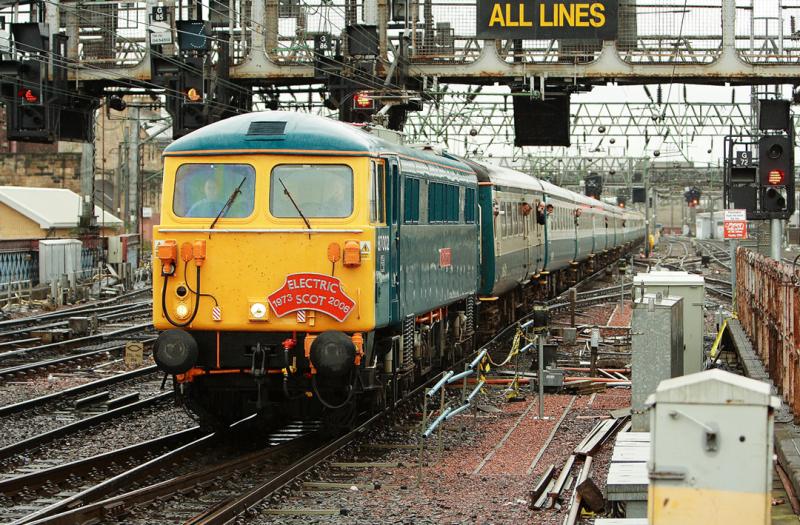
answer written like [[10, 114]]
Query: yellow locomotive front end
[[264, 277]]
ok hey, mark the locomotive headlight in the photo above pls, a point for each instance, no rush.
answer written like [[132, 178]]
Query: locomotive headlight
[[182, 311]]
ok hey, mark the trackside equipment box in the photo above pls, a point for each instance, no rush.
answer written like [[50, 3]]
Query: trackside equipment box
[[692, 288], [657, 350], [711, 450]]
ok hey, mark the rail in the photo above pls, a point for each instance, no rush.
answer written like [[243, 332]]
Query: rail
[[768, 305]]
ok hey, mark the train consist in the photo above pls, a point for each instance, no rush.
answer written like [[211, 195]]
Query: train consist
[[305, 267]]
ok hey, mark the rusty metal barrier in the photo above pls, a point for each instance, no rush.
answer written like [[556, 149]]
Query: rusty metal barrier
[[768, 306]]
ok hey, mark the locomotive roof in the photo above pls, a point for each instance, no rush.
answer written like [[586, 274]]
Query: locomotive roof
[[293, 132]]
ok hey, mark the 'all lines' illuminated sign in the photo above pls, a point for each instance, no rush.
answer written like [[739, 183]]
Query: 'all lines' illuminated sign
[[544, 19]]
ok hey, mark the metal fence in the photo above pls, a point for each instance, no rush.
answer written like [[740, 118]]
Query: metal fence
[[766, 32], [19, 259], [21, 265], [768, 304]]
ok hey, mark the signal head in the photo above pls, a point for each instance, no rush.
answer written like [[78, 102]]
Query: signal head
[[362, 100], [776, 177], [194, 95]]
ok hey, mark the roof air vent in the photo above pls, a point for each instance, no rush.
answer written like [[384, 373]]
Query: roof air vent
[[270, 128]]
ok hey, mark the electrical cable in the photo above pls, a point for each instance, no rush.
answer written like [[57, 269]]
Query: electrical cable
[[164, 303], [185, 265]]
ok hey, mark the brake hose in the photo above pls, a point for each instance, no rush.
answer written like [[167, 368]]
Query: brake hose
[[164, 302], [328, 405]]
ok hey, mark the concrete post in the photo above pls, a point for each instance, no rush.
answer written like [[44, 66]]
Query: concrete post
[[776, 243], [87, 219], [133, 210], [646, 213], [729, 25], [540, 376]]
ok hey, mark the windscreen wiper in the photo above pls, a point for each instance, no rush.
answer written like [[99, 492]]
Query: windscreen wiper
[[228, 204], [296, 207]]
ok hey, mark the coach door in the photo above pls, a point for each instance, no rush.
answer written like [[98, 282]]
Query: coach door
[[393, 185]]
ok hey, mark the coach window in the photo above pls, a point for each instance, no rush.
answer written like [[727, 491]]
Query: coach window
[[469, 205], [202, 190], [514, 219], [318, 190], [377, 185], [411, 201]]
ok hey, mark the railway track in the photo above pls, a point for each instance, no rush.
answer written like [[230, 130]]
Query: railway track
[[103, 314], [183, 461], [66, 395], [61, 346], [123, 408], [49, 365], [65, 313], [233, 508], [592, 297], [120, 500]]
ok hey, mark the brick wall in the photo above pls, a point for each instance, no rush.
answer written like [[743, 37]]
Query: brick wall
[[41, 170], [37, 165]]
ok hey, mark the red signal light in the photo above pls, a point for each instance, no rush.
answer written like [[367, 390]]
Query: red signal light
[[362, 100], [29, 95], [775, 177], [621, 204]]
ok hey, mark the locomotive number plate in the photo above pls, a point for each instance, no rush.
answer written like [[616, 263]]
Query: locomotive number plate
[[312, 291]]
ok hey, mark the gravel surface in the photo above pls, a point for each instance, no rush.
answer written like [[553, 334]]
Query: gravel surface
[[621, 316], [48, 417], [130, 429], [450, 492], [44, 384]]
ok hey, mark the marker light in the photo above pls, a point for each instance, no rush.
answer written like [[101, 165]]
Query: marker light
[[258, 310], [775, 177]]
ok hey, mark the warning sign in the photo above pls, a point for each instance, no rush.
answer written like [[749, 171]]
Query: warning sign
[[735, 224], [546, 19], [133, 354]]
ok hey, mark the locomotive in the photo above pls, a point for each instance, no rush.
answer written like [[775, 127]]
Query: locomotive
[[305, 267]]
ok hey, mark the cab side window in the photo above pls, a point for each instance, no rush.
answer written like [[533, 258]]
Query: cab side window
[[377, 187]]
